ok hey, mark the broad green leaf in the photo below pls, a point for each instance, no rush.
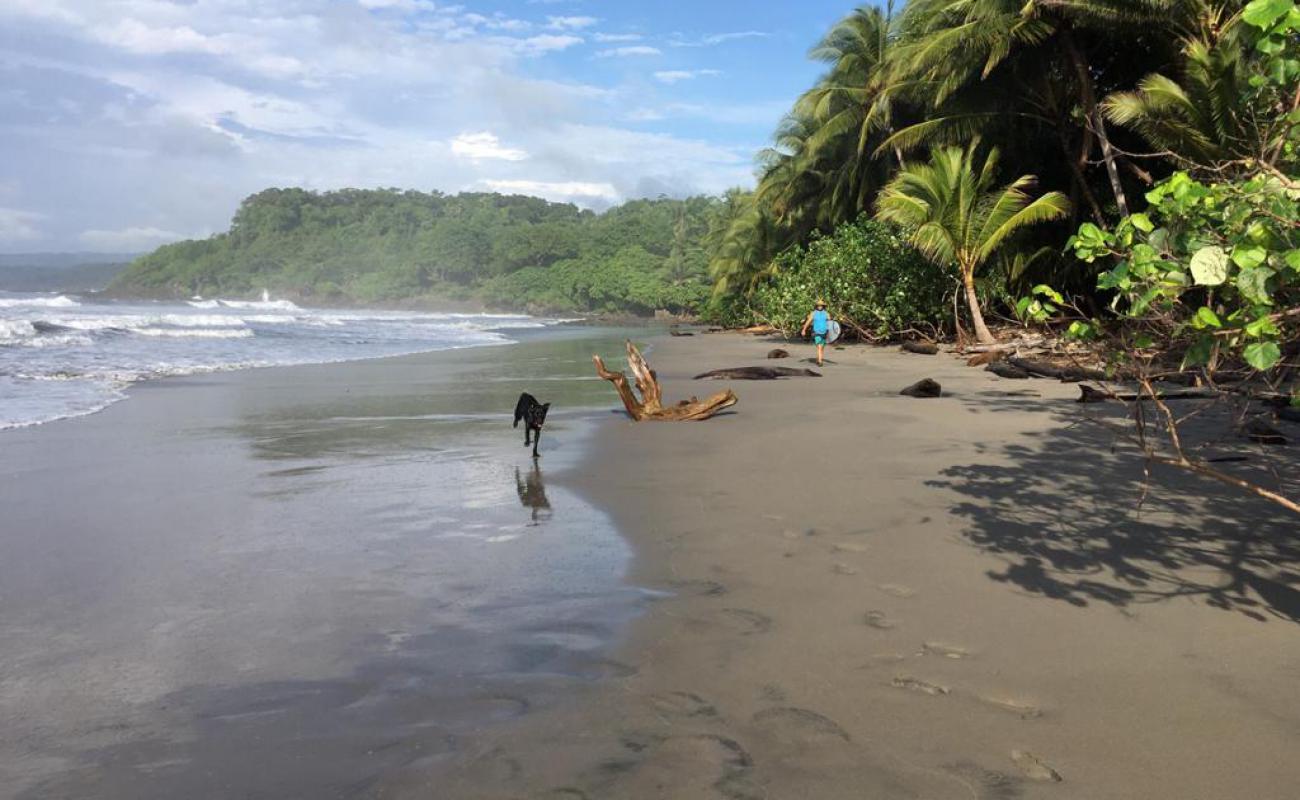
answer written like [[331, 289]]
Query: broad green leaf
[[1253, 284], [1262, 355], [1263, 13], [1210, 266], [1293, 260], [1143, 341], [1264, 326], [1142, 222], [1081, 331], [1200, 352], [1247, 256], [1049, 292], [1206, 318]]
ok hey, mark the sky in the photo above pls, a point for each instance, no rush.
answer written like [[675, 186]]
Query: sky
[[126, 124]]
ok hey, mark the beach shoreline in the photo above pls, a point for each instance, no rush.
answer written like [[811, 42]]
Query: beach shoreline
[[832, 591], [862, 594]]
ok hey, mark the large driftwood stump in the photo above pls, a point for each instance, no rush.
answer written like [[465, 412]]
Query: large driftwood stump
[[650, 406]]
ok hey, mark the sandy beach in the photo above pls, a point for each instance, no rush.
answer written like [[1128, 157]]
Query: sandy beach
[[833, 592], [867, 595]]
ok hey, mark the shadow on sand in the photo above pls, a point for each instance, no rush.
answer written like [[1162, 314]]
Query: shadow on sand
[[1067, 517]]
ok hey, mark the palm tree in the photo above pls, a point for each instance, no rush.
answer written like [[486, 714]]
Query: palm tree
[[957, 215], [954, 46], [1201, 119]]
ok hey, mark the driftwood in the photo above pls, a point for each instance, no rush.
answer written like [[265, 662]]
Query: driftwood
[[1043, 369], [1088, 394], [1003, 370], [757, 374], [980, 359], [926, 387], [680, 333], [921, 348], [650, 405]]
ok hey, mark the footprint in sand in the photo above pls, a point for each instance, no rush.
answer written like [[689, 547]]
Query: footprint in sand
[[1021, 708], [683, 704], [990, 784], [844, 569], [849, 547], [746, 622], [799, 726], [918, 685], [952, 651], [1034, 768], [897, 590], [701, 765], [880, 620], [699, 588]]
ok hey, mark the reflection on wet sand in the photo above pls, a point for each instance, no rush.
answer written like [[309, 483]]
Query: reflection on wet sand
[[532, 493]]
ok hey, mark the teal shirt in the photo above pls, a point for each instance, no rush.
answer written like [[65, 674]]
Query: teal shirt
[[821, 322]]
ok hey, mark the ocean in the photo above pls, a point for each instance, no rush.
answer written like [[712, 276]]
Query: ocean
[[64, 356]]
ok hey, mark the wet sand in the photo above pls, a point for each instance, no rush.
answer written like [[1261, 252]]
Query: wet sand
[[301, 582], [867, 595]]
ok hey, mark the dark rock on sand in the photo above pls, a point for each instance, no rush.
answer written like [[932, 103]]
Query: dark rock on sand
[[921, 348], [927, 387], [778, 353], [1087, 394], [757, 374]]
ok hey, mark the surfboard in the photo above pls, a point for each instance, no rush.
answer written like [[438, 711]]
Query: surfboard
[[832, 331]]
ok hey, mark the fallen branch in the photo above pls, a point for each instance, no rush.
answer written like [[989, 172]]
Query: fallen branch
[[757, 374], [650, 405]]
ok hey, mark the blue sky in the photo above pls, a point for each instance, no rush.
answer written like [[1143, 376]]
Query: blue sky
[[129, 123]]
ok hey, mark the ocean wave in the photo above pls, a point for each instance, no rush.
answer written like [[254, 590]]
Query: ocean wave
[[62, 301], [195, 333], [267, 305]]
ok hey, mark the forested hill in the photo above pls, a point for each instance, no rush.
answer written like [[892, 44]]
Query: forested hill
[[377, 246]]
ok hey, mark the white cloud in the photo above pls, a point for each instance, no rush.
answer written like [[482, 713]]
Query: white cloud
[[633, 50], [544, 43], [127, 240], [555, 190], [485, 145], [130, 120], [671, 76], [17, 225], [715, 39], [570, 23]]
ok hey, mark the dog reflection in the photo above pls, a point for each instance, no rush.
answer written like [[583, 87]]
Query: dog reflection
[[532, 493]]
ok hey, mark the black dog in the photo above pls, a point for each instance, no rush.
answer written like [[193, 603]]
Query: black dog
[[533, 414]]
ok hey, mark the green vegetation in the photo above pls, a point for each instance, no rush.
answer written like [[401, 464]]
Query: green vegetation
[[880, 283], [386, 245], [1191, 105]]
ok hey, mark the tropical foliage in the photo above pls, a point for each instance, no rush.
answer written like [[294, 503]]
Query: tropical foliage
[[880, 284], [1102, 100], [386, 245], [957, 216]]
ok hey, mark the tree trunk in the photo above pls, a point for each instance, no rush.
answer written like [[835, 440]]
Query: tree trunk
[[650, 404], [977, 317], [1092, 115]]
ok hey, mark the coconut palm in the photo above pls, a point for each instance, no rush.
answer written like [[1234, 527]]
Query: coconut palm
[[958, 216]]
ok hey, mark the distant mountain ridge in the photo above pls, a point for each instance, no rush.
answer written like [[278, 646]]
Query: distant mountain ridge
[[390, 246]]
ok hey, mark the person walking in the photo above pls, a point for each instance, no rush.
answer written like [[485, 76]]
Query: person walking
[[820, 322]]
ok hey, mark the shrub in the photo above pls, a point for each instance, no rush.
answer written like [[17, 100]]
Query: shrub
[[872, 279]]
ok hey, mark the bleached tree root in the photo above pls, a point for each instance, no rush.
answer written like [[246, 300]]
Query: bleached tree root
[[650, 405]]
